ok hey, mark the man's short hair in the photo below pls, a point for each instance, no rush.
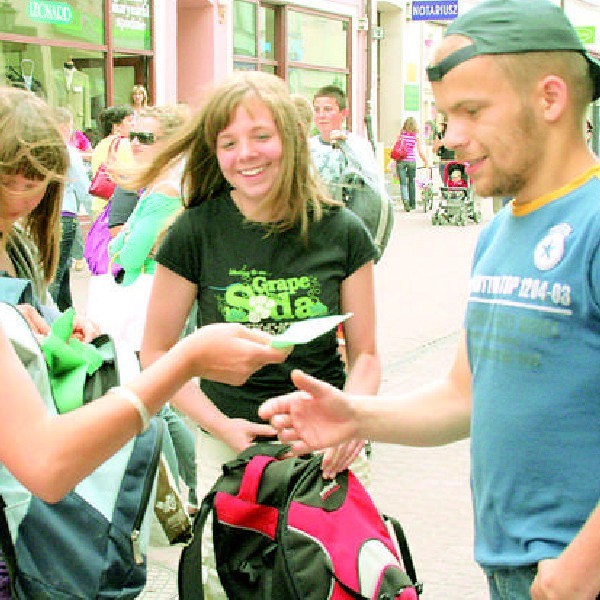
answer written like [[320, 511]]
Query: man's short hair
[[332, 91]]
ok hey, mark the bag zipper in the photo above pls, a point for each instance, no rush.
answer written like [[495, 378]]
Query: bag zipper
[[146, 492]]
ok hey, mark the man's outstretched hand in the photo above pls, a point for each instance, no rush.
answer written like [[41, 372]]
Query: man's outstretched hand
[[316, 416]]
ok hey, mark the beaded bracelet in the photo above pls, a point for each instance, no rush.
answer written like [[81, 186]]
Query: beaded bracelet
[[135, 400]]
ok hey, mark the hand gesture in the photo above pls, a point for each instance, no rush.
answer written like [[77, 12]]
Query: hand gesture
[[230, 353], [340, 457], [36, 322], [337, 135], [316, 416], [240, 434], [84, 329]]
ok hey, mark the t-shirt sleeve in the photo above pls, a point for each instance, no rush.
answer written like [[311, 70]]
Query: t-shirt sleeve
[[177, 253]]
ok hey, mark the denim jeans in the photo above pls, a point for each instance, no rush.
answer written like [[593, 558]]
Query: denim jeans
[[407, 173], [179, 449], [511, 583], [78, 245], [60, 288]]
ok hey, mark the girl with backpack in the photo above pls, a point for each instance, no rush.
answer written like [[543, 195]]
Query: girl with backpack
[[259, 242]]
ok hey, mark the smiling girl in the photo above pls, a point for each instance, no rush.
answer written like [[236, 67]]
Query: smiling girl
[[259, 243]]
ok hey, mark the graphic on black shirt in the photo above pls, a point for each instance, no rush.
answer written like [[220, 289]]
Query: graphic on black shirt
[[257, 299]]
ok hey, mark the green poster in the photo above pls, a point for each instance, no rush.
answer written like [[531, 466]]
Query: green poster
[[411, 96]]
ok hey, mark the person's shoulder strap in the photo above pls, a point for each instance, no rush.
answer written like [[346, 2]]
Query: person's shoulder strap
[[114, 147]]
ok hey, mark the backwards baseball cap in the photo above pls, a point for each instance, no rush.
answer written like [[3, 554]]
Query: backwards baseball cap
[[514, 27]]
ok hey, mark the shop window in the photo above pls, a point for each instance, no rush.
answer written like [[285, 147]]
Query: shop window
[[67, 77], [75, 20], [129, 70], [244, 28], [307, 81], [266, 38], [317, 40], [316, 44]]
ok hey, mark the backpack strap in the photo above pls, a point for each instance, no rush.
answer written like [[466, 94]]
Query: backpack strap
[[404, 552], [189, 575]]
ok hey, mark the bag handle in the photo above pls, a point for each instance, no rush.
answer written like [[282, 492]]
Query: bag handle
[[252, 477], [113, 148]]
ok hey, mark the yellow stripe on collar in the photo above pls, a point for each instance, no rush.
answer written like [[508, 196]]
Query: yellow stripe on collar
[[520, 210]]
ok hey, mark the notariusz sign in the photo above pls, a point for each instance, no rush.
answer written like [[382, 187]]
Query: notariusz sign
[[435, 10]]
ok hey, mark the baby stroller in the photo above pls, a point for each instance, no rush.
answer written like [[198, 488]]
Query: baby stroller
[[457, 203]]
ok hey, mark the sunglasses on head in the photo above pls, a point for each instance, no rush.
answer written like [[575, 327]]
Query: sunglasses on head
[[143, 137]]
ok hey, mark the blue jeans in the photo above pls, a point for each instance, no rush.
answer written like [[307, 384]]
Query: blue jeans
[[511, 583], [60, 288], [78, 245], [407, 174], [180, 451]]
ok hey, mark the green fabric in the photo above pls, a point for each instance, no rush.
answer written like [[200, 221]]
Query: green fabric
[[133, 246], [514, 27], [69, 362]]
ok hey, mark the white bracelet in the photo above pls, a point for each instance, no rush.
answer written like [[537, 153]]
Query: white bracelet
[[134, 399]]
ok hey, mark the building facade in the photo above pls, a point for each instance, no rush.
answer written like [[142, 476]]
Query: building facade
[[88, 54]]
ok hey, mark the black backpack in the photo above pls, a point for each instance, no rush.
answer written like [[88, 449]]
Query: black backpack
[[370, 203], [281, 531]]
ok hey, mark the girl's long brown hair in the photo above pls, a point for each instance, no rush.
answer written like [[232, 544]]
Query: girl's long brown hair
[[297, 197], [31, 145]]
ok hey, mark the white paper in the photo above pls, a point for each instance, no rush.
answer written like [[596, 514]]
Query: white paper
[[305, 331]]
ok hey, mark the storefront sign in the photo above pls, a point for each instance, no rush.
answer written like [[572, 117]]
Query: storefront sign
[[132, 15], [131, 23], [587, 34], [411, 97], [435, 10], [50, 12]]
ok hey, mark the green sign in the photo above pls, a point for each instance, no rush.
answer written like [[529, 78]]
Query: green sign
[[587, 34], [411, 96], [47, 11]]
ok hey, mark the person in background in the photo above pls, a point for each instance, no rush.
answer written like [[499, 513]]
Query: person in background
[[456, 179], [75, 196], [335, 148], [115, 122], [305, 112], [139, 101], [511, 75], [80, 141], [259, 242], [406, 169]]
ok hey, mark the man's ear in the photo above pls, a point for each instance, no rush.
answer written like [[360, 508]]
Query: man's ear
[[553, 96], [344, 113]]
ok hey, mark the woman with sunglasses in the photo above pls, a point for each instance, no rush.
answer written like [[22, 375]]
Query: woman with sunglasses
[[133, 248]]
